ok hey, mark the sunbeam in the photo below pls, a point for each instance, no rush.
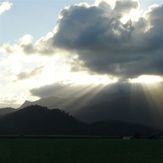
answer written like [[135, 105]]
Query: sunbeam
[[152, 96]]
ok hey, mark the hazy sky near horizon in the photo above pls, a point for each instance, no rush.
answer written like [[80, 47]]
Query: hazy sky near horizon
[[44, 42]]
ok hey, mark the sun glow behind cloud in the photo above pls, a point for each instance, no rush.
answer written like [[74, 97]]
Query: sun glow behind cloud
[[22, 73], [26, 56], [83, 78], [147, 79], [133, 15]]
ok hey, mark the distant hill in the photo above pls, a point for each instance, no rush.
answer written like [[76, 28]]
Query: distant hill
[[4, 111], [38, 120]]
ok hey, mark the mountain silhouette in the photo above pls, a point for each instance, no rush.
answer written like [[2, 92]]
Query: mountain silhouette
[[108, 105], [38, 120], [4, 111]]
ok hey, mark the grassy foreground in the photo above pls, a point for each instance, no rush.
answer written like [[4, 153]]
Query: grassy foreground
[[30, 150]]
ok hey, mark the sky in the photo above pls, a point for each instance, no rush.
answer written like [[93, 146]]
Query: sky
[[26, 16], [77, 42]]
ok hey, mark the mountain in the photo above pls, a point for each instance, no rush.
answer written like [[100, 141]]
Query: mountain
[[50, 102], [38, 120], [26, 104], [4, 111], [128, 106]]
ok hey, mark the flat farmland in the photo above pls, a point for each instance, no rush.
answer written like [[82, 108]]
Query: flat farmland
[[80, 150]]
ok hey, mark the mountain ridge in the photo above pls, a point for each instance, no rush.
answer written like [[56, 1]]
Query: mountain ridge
[[38, 120], [116, 106]]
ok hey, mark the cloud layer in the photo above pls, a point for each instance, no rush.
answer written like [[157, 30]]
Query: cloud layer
[[108, 39], [106, 44]]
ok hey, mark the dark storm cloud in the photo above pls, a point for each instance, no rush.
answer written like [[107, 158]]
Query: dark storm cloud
[[106, 45]]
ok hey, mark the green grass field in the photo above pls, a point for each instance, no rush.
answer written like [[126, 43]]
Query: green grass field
[[28, 150]]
